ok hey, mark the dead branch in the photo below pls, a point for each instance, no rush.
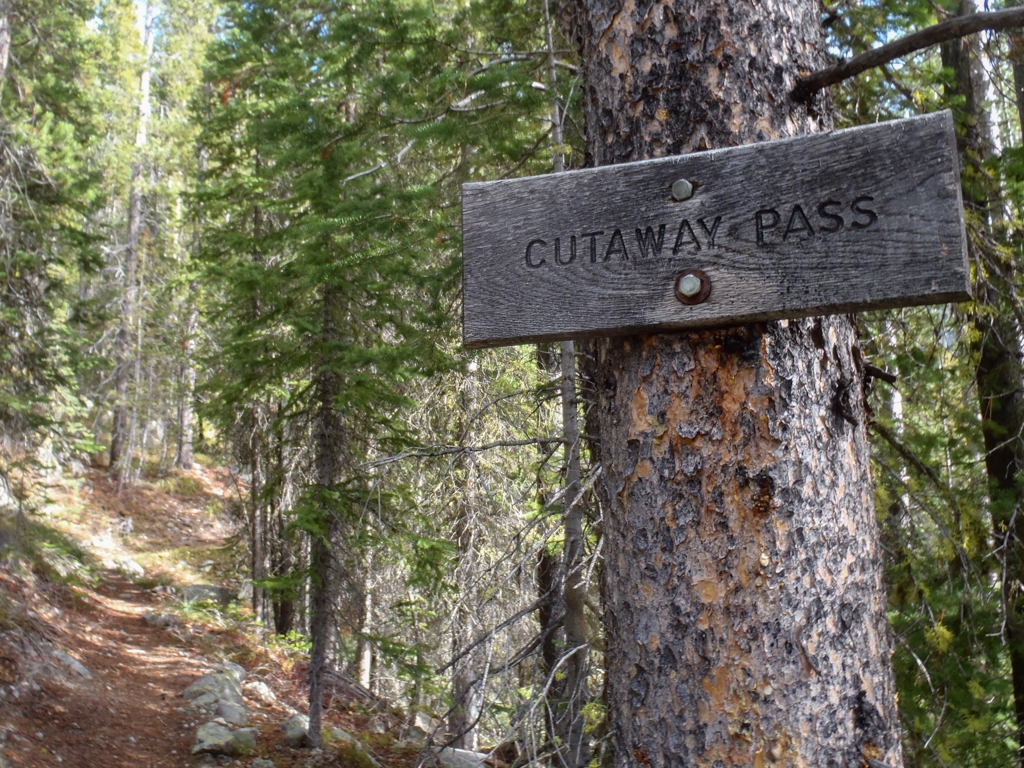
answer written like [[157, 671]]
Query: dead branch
[[959, 26]]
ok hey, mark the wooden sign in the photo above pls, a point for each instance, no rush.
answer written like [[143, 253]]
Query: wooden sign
[[864, 218]]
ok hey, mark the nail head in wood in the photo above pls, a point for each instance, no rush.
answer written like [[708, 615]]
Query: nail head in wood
[[692, 286], [682, 190]]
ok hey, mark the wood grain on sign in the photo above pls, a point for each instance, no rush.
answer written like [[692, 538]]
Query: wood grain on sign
[[865, 218]]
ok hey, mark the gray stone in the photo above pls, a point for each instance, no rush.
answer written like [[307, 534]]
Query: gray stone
[[70, 661], [262, 762], [162, 620], [296, 730], [204, 700], [243, 741], [236, 671], [213, 739], [233, 713], [339, 735], [460, 758], [262, 691], [130, 568], [223, 687], [244, 594], [421, 728], [195, 593]]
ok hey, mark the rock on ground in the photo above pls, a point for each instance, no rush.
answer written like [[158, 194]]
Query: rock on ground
[[460, 758], [231, 669], [129, 567], [163, 620], [296, 730], [244, 740], [213, 739], [214, 687], [216, 739], [262, 692], [70, 661], [233, 713], [195, 593], [262, 762], [421, 728]]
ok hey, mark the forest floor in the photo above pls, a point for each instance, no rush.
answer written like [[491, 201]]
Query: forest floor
[[86, 681]]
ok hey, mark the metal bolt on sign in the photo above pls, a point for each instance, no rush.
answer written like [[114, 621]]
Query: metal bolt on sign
[[682, 190], [693, 286]]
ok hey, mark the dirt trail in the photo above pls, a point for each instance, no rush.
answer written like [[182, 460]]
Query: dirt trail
[[130, 713]]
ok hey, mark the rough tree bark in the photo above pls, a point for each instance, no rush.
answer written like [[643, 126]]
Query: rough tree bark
[[329, 438], [742, 576]]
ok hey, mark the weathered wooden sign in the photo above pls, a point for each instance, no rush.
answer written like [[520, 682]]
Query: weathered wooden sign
[[864, 218]]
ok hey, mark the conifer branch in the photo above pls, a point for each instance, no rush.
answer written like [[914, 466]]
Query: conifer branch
[[944, 31]]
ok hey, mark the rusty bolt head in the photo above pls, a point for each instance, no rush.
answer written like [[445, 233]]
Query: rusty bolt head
[[682, 190], [692, 286]]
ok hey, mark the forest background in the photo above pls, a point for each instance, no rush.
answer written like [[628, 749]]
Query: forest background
[[230, 233]]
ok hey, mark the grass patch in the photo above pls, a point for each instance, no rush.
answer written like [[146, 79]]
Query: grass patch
[[182, 485]]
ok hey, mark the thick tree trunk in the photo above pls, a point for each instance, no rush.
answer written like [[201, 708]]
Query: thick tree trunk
[[742, 577]]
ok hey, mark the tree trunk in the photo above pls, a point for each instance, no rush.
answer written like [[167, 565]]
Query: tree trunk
[[569, 735], [5, 39], [187, 375], [575, 743], [1000, 370], [364, 648], [466, 683], [119, 431], [328, 464], [742, 579]]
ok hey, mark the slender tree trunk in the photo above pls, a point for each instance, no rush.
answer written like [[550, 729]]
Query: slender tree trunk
[[466, 687], [258, 437], [569, 735], [576, 753], [187, 374], [742, 579], [281, 558], [1002, 411], [364, 648], [329, 436], [119, 432], [5, 39]]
